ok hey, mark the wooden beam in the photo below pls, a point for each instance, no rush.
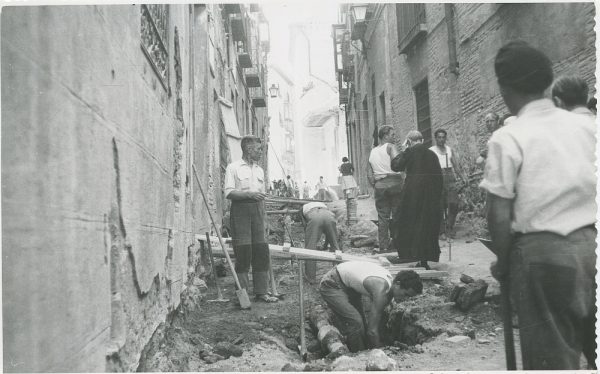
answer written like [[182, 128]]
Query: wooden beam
[[277, 251]]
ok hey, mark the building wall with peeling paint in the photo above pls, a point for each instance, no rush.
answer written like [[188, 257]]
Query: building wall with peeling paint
[[99, 201]]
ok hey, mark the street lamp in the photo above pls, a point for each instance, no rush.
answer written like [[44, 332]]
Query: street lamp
[[274, 90], [359, 12]]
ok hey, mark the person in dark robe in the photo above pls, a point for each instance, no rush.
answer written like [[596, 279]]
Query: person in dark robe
[[416, 221]]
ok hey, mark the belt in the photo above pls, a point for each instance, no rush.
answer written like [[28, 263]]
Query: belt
[[591, 226]]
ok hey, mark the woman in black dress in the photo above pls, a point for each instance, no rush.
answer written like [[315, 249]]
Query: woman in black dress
[[416, 223]]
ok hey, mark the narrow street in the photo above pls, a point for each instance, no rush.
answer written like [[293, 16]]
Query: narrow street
[[365, 135]]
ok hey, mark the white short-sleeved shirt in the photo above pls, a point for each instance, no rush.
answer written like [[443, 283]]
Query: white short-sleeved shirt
[[544, 161], [445, 157], [309, 206], [381, 162], [353, 274], [242, 176]]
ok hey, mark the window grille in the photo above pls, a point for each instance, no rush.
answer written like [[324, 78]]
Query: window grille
[[154, 26], [411, 18], [423, 114]]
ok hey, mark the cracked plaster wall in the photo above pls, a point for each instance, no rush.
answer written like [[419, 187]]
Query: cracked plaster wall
[[99, 212]]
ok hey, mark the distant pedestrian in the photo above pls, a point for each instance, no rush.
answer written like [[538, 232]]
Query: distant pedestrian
[[245, 188], [348, 182], [321, 188], [387, 184], [448, 162], [416, 223], [305, 190], [540, 179]]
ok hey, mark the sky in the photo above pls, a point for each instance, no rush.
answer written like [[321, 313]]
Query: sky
[[317, 19]]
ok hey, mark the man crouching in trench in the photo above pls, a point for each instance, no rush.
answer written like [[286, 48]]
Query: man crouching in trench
[[344, 285]]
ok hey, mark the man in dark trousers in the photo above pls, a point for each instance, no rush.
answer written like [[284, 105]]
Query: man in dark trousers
[[342, 289], [318, 220], [540, 180], [245, 187]]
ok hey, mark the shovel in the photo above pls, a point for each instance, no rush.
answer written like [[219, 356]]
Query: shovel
[[240, 292], [302, 346], [214, 273], [509, 342]]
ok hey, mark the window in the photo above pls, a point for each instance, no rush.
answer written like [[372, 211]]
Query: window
[[411, 24], [154, 26], [423, 115]]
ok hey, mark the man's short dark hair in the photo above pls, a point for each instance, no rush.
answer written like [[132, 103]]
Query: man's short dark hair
[[249, 139], [591, 104], [344, 159], [523, 68], [409, 279], [572, 90], [384, 130], [440, 131]]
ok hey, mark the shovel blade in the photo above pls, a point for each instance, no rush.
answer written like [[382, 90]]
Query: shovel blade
[[243, 298]]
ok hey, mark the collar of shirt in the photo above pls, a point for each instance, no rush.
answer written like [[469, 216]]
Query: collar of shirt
[[536, 106], [582, 110]]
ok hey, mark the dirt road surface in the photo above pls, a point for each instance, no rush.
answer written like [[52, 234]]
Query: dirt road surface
[[266, 337]]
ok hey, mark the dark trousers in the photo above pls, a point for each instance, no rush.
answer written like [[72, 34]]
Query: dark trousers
[[249, 244], [449, 202], [552, 283], [320, 221], [346, 304], [387, 200]]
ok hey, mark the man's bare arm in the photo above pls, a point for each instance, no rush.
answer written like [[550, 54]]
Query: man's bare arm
[[499, 223], [377, 287]]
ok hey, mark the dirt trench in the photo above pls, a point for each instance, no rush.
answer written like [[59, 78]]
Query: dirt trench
[[205, 335]]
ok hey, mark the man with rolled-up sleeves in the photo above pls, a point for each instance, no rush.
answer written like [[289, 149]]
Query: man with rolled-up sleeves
[[245, 187]]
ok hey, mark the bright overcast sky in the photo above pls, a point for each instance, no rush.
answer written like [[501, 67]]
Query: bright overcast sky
[[317, 18]]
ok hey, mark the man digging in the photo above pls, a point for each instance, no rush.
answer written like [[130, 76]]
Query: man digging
[[344, 285]]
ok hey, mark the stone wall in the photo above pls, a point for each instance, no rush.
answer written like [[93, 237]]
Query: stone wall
[[100, 204]]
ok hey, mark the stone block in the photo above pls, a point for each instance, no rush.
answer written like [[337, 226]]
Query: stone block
[[377, 360], [346, 363], [472, 294], [227, 349], [292, 367], [458, 339]]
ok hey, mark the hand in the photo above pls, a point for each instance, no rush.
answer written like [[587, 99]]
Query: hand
[[499, 271], [257, 196]]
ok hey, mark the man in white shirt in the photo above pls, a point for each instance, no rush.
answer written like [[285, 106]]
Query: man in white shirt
[[540, 180], [318, 221], [449, 166], [245, 187], [386, 183], [342, 289]]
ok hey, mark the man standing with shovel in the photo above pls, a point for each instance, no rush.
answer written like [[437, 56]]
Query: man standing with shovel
[[541, 184], [245, 187]]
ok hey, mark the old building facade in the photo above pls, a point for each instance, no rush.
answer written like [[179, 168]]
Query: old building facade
[[107, 112], [431, 66]]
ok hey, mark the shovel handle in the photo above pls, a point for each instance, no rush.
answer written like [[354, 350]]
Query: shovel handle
[[235, 278], [212, 265]]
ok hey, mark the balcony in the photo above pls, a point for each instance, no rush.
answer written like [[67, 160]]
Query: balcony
[[412, 25], [232, 8], [343, 96], [253, 76], [258, 96], [239, 28], [244, 58]]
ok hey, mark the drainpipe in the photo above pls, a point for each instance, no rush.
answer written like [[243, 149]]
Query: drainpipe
[[449, 16]]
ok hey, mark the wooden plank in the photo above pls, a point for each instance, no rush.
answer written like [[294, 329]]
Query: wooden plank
[[300, 253], [292, 200], [311, 254]]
